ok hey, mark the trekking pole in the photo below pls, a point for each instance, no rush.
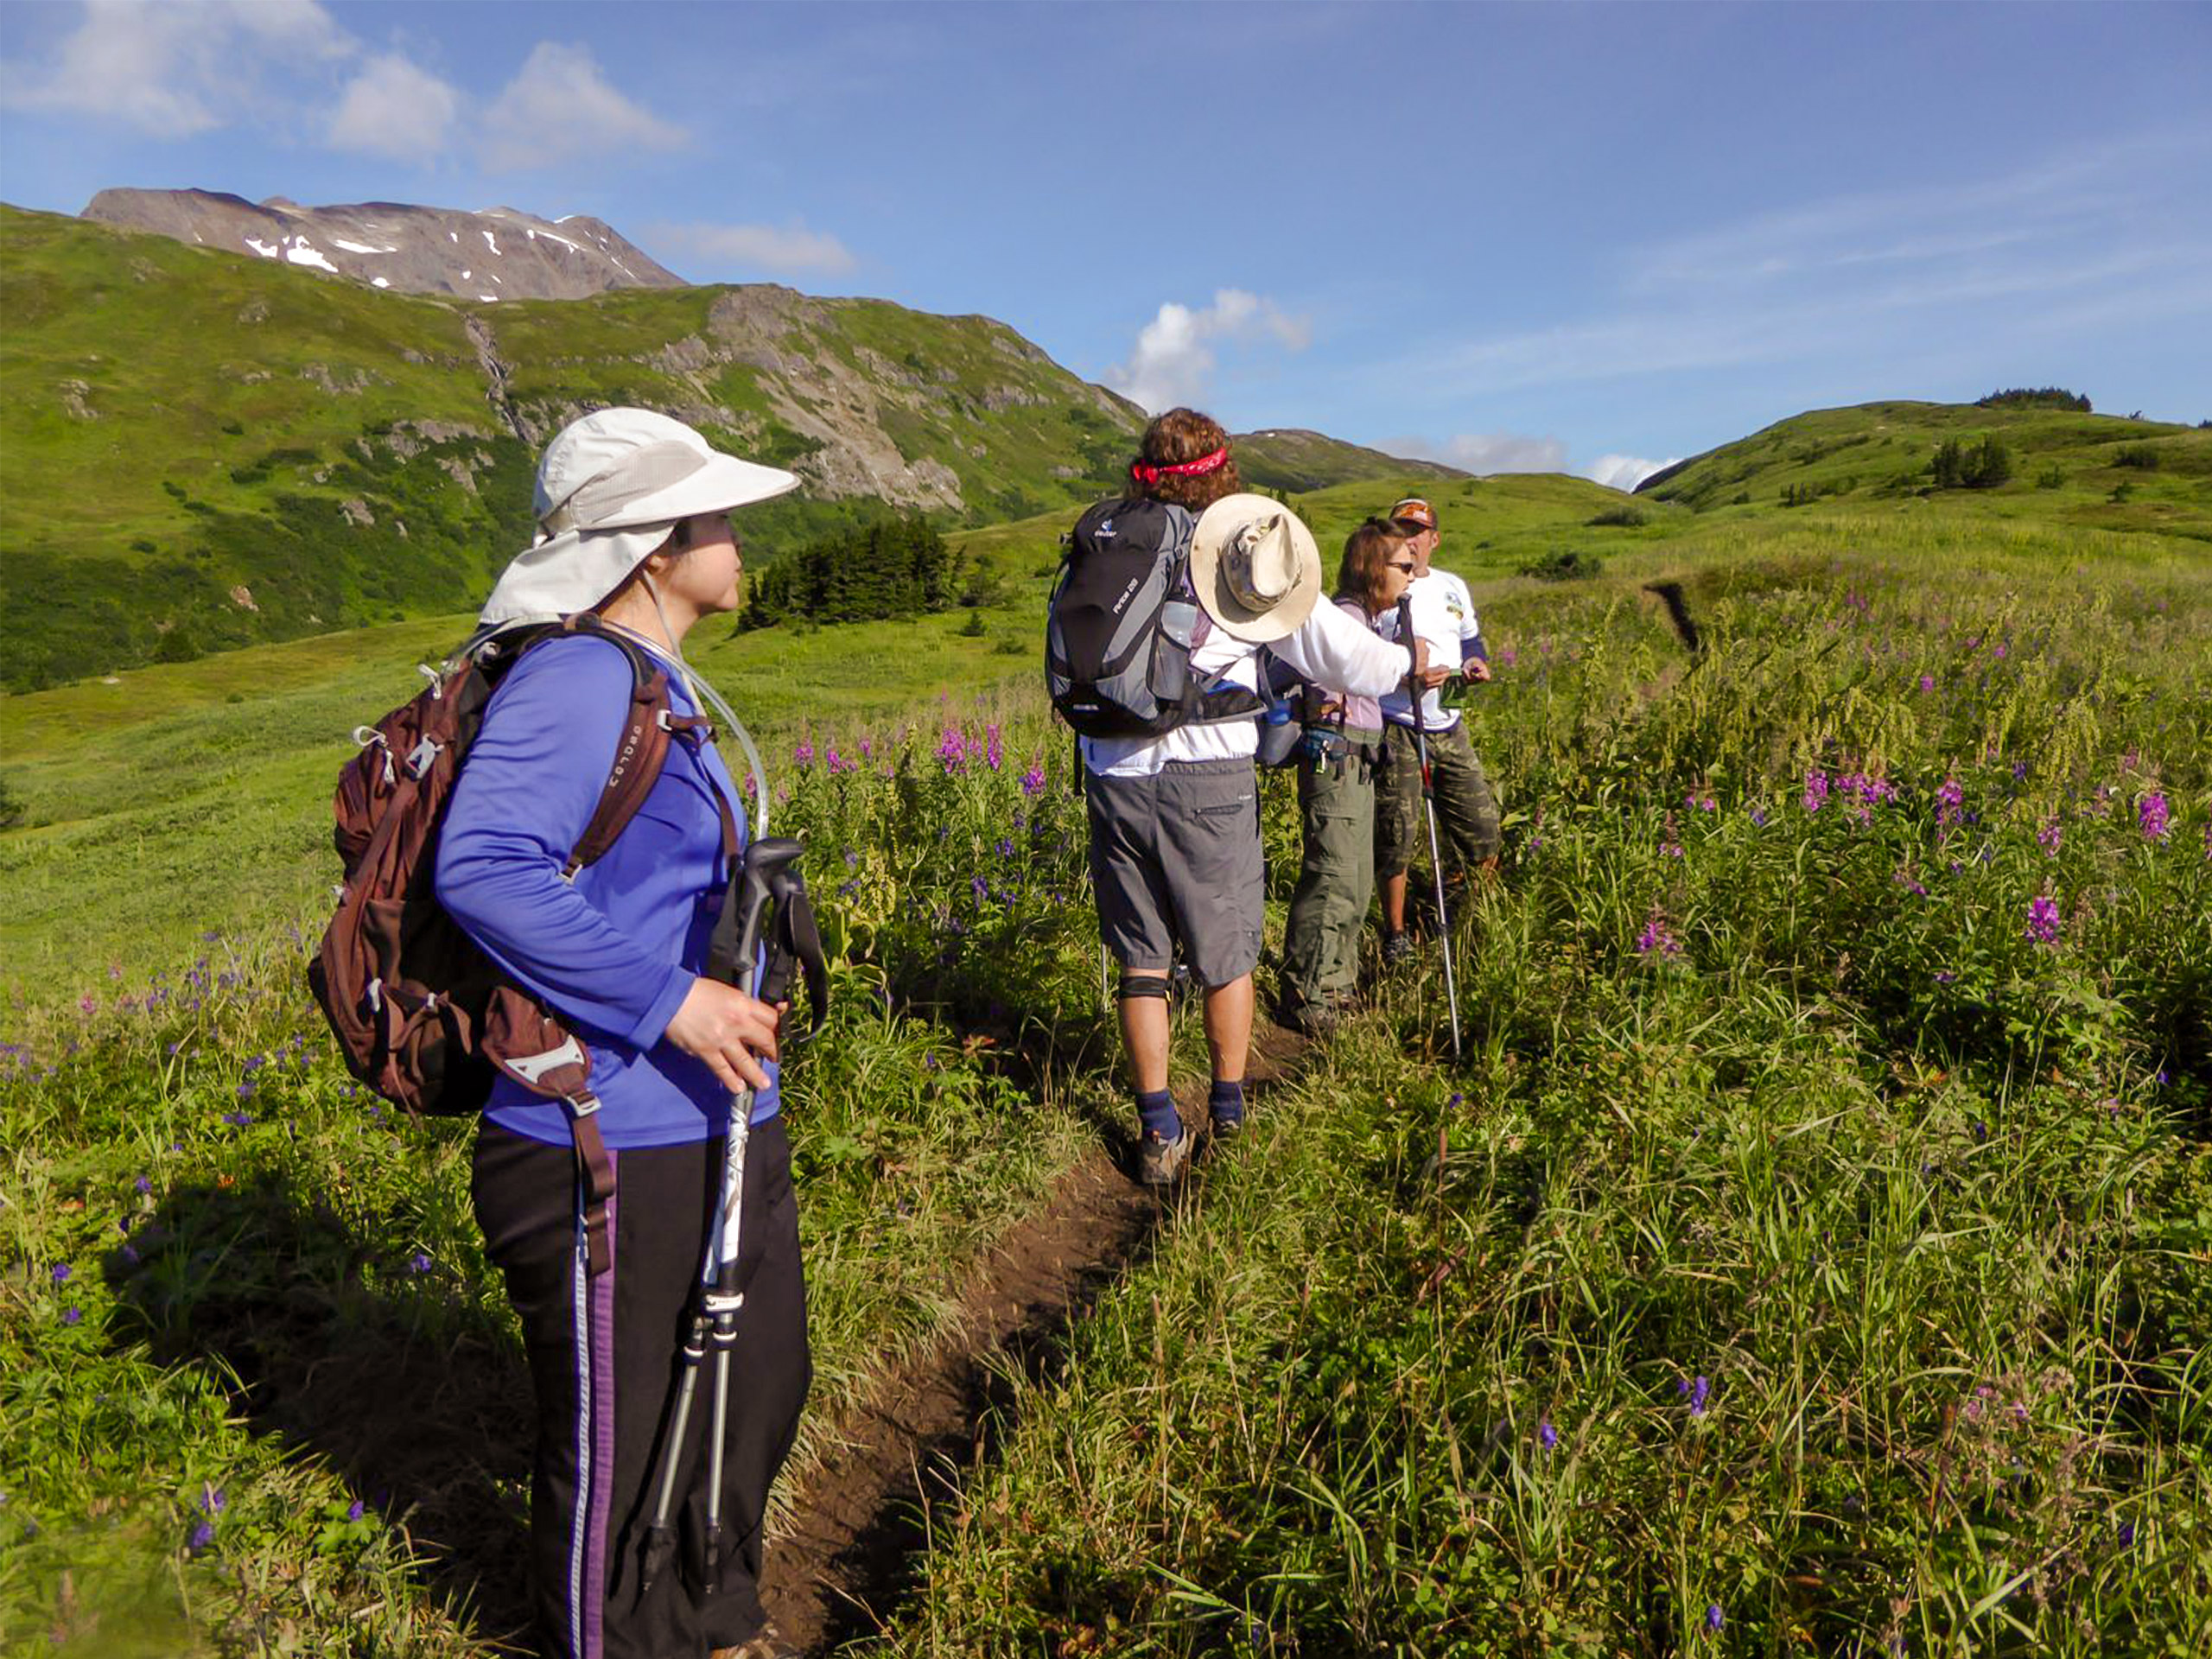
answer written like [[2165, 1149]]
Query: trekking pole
[[766, 876], [1419, 697]]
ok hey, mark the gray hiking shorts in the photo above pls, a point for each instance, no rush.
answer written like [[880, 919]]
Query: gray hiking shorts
[[1175, 858]]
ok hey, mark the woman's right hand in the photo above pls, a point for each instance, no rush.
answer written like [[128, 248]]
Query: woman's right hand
[[730, 1031]]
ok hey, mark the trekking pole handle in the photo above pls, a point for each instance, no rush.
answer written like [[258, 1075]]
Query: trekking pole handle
[[735, 957]]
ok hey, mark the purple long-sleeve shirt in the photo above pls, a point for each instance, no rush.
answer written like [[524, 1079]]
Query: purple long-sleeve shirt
[[613, 953]]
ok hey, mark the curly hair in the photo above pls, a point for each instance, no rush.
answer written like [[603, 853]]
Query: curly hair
[[1368, 551], [1179, 436]]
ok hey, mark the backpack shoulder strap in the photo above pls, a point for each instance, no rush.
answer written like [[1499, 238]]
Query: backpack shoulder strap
[[647, 724]]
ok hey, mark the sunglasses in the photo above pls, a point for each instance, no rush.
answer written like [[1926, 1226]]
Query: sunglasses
[[1407, 566]]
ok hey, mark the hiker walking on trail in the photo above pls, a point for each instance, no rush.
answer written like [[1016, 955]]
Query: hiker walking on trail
[[1467, 807], [1341, 755], [1173, 804], [634, 541]]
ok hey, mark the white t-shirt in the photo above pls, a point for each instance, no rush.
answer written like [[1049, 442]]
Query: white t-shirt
[[1331, 649], [1444, 614]]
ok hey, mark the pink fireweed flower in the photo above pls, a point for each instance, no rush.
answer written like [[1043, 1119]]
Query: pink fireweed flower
[[2152, 816], [993, 752], [1033, 781], [1657, 939], [2042, 921], [803, 752], [1928, 682], [2049, 837], [1817, 790], [953, 750]]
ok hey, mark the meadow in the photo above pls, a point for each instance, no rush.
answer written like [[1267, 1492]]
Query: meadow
[[1813, 1251]]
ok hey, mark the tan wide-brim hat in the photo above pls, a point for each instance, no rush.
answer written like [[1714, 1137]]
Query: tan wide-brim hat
[[611, 487], [1255, 567]]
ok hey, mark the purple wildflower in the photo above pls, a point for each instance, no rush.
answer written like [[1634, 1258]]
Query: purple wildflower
[[802, 752], [1928, 682], [1817, 790], [1033, 781], [2049, 837], [1903, 879], [2126, 1534], [1713, 1618], [994, 751], [1950, 795], [353, 1510], [1697, 1390], [202, 1536], [72, 1315], [418, 1263], [61, 1272], [952, 750], [1547, 1436], [1656, 939], [88, 1004], [2042, 921], [2152, 815], [237, 1120], [212, 1501]]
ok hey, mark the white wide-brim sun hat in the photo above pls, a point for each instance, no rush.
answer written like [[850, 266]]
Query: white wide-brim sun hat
[[610, 487], [1255, 567]]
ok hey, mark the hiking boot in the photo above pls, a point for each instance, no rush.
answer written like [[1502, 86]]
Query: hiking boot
[[1158, 1162], [1227, 1128], [1397, 946], [1308, 1019]]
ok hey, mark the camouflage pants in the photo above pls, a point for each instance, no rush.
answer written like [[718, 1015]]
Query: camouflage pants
[[1467, 806]]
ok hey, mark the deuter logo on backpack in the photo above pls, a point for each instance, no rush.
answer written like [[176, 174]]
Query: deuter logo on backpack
[[1122, 623]]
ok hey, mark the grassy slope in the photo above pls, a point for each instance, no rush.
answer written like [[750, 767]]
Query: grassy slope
[[1271, 1406], [2065, 466], [191, 423]]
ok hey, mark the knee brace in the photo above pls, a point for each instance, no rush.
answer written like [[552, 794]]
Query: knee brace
[[1144, 985]]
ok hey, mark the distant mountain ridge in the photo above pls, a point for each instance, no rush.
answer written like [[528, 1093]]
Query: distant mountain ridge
[[494, 254], [200, 450]]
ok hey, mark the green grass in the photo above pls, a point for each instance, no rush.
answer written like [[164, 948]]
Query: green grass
[[1924, 1198]]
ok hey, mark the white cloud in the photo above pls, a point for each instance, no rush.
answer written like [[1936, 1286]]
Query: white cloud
[[176, 69], [1173, 360], [394, 108], [1624, 472], [1485, 452], [560, 108], [785, 250]]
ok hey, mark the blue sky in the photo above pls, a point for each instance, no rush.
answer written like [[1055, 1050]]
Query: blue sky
[[1542, 237]]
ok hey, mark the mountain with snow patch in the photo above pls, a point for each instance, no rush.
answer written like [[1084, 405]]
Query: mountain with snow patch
[[495, 253]]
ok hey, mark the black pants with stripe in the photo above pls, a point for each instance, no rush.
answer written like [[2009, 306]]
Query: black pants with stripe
[[604, 1359]]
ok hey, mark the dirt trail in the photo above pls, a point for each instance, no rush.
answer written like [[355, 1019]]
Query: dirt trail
[[842, 1566]]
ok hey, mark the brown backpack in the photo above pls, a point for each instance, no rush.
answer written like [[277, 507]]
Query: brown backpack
[[422, 1015]]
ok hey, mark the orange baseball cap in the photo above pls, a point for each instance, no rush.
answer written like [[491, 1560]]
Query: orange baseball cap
[[1414, 511]]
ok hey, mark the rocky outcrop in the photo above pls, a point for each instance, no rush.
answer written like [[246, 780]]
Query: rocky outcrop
[[498, 253]]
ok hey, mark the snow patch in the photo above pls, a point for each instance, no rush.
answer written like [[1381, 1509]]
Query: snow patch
[[379, 282], [358, 247], [453, 236], [302, 253], [487, 296], [266, 249], [489, 243], [466, 275]]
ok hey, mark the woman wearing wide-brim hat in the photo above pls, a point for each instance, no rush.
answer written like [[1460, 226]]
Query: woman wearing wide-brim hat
[[634, 527]]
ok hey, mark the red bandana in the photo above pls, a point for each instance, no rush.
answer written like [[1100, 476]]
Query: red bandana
[[1206, 463]]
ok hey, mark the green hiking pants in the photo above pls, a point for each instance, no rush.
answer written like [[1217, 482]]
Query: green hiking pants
[[1335, 880], [1467, 806]]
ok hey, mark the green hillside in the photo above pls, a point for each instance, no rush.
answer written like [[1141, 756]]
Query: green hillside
[[2100, 472], [200, 450]]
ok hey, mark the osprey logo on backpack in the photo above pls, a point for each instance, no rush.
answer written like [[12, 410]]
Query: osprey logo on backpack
[[1122, 623]]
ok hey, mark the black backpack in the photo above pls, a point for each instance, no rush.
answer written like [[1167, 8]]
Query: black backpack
[[1122, 623]]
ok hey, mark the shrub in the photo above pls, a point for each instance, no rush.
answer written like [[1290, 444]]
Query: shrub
[[11, 804], [2037, 398], [2051, 477], [2144, 457], [1564, 564], [1988, 464], [1625, 517]]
